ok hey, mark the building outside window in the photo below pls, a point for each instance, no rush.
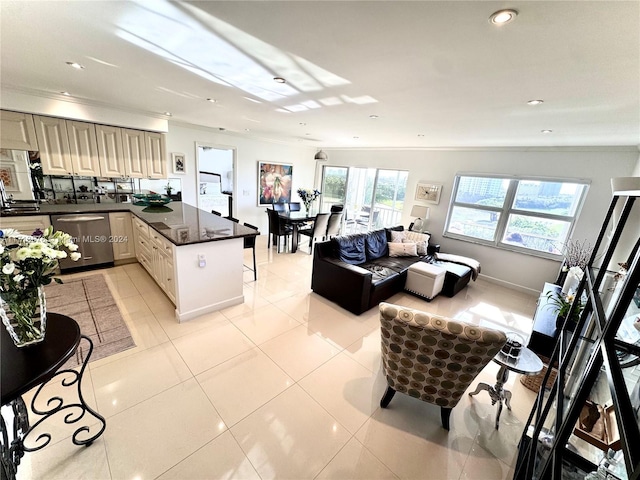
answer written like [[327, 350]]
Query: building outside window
[[531, 215]]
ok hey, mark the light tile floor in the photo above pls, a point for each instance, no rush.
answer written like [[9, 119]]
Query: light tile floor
[[286, 385]]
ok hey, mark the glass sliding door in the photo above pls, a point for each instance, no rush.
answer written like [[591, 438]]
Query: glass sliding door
[[372, 198]]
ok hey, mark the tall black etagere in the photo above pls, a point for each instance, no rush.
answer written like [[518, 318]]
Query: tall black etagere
[[598, 365]]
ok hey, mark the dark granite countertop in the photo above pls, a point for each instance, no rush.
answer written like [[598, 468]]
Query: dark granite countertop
[[180, 223]]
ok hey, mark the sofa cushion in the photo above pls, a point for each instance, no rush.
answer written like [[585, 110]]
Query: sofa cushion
[[350, 249], [403, 250], [376, 245], [420, 239], [399, 228], [397, 237]]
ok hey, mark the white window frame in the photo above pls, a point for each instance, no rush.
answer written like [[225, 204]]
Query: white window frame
[[508, 209]]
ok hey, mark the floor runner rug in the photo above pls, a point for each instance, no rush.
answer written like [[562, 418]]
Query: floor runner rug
[[89, 302]]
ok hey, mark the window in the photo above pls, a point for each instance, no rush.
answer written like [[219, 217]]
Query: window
[[526, 214], [372, 198]]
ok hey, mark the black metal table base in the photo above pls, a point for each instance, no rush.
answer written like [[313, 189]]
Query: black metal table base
[[76, 413]]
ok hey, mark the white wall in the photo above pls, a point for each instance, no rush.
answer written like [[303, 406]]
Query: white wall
[[182, 138], [440, 166]]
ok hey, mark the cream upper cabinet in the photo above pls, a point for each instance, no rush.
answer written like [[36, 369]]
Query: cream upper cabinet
[[135, 153], [53, 143], [110, 151], [156, 155], [17, 131], [84, 149]]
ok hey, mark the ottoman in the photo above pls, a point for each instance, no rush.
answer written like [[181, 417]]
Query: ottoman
[[425, 280]]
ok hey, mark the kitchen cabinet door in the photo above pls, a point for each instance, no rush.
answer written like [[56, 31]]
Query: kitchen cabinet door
[[53, 142], [156, 155], [122, 236], [110, 151], [135, 153], [84, 149], [17, 131], [26, 224]]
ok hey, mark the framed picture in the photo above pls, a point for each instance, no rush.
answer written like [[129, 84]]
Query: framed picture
[[429, 192], [274, 183], [10, 178], [179, 163]]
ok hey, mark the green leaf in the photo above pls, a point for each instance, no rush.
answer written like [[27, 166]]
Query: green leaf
[[58, 280]]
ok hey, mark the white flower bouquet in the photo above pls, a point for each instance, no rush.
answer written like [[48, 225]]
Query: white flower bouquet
[[308, 195], [27, 263]]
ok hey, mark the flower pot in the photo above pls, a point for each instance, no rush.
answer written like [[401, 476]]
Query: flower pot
[[24, 314]]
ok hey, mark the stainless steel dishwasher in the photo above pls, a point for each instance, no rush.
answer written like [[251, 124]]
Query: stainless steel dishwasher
[[91, 232]]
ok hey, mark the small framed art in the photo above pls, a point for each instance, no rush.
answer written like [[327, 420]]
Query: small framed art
[[429, 192], [179, 163]]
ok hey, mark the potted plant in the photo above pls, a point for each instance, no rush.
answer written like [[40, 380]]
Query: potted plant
[[169, 189], [561, 303], [28, 263]]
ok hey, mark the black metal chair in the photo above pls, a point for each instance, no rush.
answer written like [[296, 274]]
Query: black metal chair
[[233, 219], [277, 229], [318, 230], [216, 213], [250, 242], [335, 225]]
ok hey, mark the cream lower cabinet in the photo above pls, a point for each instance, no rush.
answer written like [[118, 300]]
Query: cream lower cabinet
[[26, 224], [17, 131], [122, 239], [155, 254]]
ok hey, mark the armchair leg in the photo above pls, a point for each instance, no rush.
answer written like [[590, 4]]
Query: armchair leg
[[445, 413], [386, 398]]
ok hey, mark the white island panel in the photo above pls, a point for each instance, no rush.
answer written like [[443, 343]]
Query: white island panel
[[216, 286]]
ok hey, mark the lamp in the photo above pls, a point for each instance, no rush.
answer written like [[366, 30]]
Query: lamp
[[421, 213], [321, 156]]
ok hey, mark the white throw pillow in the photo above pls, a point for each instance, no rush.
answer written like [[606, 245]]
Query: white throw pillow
[[397, 237], [421, 247], [402, 249], [421, 239]]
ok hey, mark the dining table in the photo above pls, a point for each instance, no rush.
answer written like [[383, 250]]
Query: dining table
[[295, 219]]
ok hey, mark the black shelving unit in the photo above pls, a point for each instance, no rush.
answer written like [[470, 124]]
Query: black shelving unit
[[599, 366]]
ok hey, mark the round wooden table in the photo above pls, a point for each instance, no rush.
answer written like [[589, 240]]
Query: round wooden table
[[22, 369]]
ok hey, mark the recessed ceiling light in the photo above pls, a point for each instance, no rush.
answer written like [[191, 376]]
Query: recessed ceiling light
[[421, 134], [67, 94], [373, 116], [75, 65], [168, 114], [503, 16], [247, 130], [356, 137], [535, 102], [212, 100], [279, 79], [546, 131], [302, 123]]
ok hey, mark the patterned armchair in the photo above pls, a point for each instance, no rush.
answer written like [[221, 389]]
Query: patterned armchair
[[432, 358]]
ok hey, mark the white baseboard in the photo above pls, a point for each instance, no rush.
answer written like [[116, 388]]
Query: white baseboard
[[186, 316], [512, 286]]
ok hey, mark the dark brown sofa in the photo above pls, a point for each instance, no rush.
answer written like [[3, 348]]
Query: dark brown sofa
[[356, 272]]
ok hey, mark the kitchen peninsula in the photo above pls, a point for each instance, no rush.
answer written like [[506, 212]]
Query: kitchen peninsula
[[195, 257]]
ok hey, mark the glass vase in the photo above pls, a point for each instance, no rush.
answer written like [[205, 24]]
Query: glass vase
[[24, 315], [307, 207]]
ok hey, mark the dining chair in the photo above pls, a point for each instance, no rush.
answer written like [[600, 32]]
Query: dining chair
[[277, 228], [294, 206], [335, 225], [235, 220], [337, 208], [349, 222], [216, 213], [250, 242], [279, 207], [317, 230]]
